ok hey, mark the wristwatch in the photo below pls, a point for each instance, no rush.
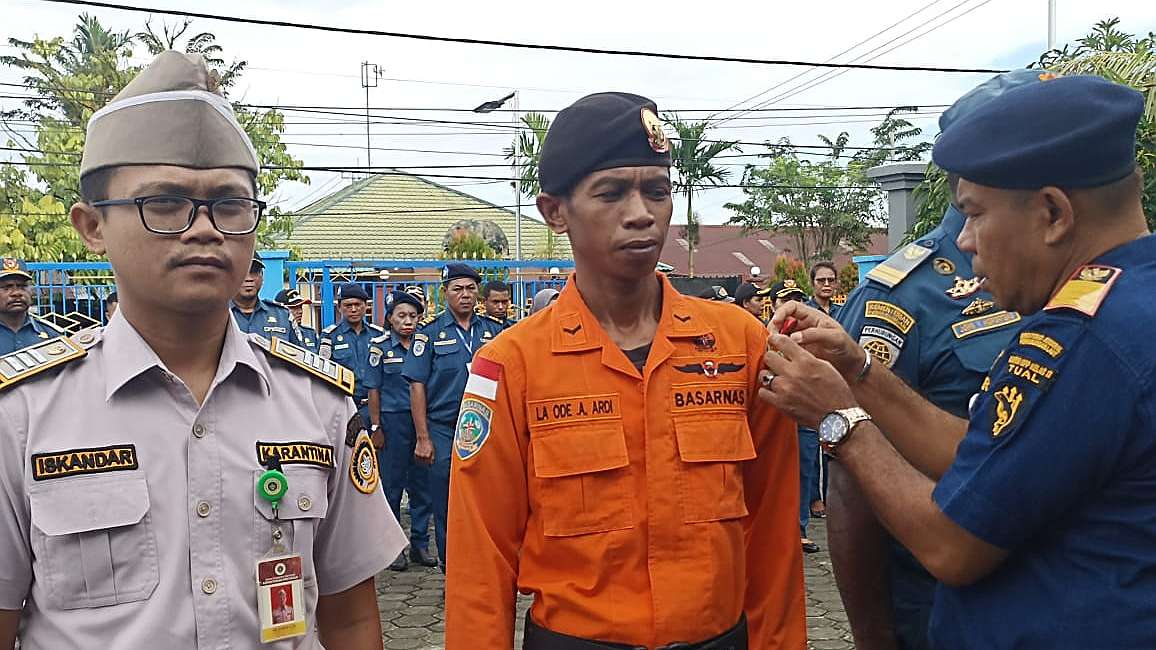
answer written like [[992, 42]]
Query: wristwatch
[[836, 426]]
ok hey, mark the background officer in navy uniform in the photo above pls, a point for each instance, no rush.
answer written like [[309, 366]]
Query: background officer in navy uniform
[[19, 328], [258, 316], [1035, 513], [750, 298], [437, 367], [496, 302], [392, 424], [903, 314], [292, 300], [347, 341]]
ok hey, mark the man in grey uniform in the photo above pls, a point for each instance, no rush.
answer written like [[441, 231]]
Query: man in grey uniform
[[142, 515]]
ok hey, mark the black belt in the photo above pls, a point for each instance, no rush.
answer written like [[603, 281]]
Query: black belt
[[539, 638]]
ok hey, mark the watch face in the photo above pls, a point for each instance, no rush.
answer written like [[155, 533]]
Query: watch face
[[833, 428]]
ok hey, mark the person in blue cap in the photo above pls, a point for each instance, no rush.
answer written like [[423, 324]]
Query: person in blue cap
[[347, 341], [1035, 513], [392, 424], [437, 366], [903, 314], [255, 315], [292, 300], [19, 328]]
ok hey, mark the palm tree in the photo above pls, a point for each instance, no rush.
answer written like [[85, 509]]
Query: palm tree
[[526, 151], [203, 43], [691, 156]]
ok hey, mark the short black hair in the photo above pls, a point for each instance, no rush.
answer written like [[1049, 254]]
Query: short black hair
[[112, 297], [823, 265], [94, 185], [494, 285]]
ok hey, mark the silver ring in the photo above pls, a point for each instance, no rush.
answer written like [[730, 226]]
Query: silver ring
[[767, 379]]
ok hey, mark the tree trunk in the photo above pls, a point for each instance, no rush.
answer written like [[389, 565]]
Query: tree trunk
[[691, 232]]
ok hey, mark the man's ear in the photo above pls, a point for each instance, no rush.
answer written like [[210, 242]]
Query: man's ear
[[1060, 215], [89, 224], [552, 209]]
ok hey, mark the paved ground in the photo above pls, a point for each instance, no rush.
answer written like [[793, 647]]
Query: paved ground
[[411, 605]]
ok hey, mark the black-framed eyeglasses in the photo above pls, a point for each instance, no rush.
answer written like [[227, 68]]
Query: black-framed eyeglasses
[[170, 214]]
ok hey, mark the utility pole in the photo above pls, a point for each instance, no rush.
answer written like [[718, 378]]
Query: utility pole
[[1051, 25], [370, 74], [517, 185]]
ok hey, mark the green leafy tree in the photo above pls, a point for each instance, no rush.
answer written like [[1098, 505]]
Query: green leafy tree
[[525, 152], [71, 80], [1107, 51], [692, 156], [468, 246], [789, 267]]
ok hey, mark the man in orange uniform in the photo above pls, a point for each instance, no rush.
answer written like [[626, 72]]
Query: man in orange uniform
[[610, 457]]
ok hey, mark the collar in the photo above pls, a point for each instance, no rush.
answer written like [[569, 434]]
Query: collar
[[258, 307], [952, 223], [127, 355], [573, 327]]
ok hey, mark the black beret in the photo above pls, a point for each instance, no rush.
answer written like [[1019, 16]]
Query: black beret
[[351, 290], [1068, 132], [455, 270], [395, 298], [745, 292], [601, 131]]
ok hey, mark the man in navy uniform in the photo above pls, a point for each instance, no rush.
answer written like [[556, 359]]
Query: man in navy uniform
[[437, 366], [907, 314], [20, 329], [1040, 525], [496, 302], [256, 315], [347, 341], [292, 300], [392, 424]]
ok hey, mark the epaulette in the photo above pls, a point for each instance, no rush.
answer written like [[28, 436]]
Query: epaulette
[[329, 330], [494, 319], [329, 371], [894, 269], [429, 318], [23, 364], [380, 339], [1086, 289], [373, 326]]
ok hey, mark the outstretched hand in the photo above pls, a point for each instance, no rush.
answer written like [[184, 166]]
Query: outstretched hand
[[800, 384]]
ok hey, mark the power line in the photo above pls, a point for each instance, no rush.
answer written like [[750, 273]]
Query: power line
[[510, 44]]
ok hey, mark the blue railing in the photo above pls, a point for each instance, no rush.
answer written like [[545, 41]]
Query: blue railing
[[73, 294]]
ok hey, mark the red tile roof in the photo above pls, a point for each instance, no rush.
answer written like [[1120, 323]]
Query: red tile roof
[[728, 251]]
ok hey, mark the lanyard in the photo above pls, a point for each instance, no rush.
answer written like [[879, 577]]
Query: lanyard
[[467, 337]]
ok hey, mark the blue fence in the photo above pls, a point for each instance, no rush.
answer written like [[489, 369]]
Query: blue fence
[[73, 294]]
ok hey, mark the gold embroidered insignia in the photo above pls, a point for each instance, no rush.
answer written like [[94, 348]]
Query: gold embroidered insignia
[[18, 366], [944, 266], [1050, 346], [1008, 400], [963, 288], [890, 313], [75, 462], [1086, 289], [971, 326], [977, 307], [363, 472]]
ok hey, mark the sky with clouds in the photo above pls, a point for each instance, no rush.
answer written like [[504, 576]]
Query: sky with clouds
[[309, 68]]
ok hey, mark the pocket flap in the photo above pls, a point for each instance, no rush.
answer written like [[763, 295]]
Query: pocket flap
[[69, 506], [580, 450], [713, 441], [307, 496]]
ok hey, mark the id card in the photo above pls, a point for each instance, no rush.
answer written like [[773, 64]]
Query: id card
[[280, 598]]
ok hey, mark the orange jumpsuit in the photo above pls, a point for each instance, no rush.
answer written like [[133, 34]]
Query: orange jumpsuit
[[640, 508]]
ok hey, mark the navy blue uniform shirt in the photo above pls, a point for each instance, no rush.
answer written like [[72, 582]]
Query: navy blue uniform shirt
[[440, 357], [834, 313], [1059, 468], [386, 357], [309, 338], [33, 331], [342, 344], [269, 320]]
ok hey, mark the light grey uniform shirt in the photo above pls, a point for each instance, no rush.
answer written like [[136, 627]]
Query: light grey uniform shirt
[[152, 540]]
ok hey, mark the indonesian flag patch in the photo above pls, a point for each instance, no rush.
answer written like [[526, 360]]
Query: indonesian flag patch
[[483, 381]]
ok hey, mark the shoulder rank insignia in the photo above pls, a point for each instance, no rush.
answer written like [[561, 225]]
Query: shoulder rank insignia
[[329, 330], [330, 371], [429, 318], [33, 360], [1086, 289], [894, 269]]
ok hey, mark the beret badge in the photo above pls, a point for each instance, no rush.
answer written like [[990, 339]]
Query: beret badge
[[653, 127]]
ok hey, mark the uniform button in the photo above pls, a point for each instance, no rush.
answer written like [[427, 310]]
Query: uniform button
[[203, 509], [199, 430], [304, 503], [209, 586]]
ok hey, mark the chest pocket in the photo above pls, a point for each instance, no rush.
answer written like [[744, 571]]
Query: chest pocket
[[95, 540], [710, 477], [447, 348], [300, 512], [392, 366], [585, 479]]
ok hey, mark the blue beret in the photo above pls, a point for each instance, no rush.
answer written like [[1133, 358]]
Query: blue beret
[[455, 270], [395, 298], [351, 290], [11, 266], [601, 131], [989, 90], [1068, 132]]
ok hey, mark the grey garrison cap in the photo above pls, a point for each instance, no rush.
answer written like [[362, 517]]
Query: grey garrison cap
[[170, 114]]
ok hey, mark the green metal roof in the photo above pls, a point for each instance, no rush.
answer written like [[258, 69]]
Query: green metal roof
[[401, 216]]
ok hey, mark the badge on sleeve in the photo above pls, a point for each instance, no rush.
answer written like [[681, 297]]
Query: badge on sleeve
[[374, 357], [325, 349], [363, 465], [473, 429], [1007, 402], [280, 598]]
